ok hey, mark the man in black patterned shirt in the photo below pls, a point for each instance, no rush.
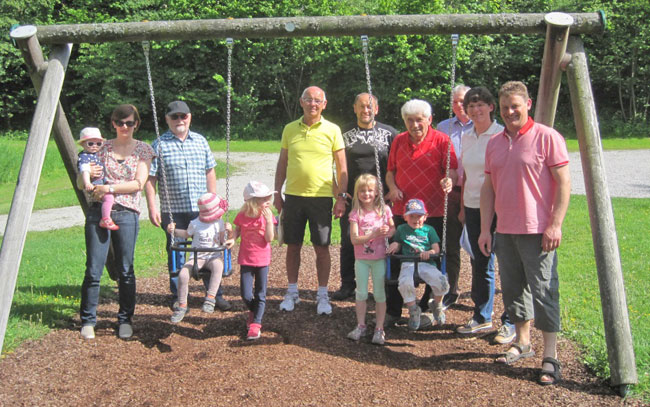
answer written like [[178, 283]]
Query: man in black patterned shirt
[[361, 139]]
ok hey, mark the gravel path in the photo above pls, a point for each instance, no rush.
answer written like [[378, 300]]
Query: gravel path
[[628, 175]]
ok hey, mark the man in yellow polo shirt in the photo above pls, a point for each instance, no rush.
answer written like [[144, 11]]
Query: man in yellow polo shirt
[[309, 146]]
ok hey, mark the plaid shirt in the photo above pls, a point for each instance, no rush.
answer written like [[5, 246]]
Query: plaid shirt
[[186, 163], [454, 128]]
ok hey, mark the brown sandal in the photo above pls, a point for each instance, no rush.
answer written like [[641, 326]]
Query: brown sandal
[[508, 358]]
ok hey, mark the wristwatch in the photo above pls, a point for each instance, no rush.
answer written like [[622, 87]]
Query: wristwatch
[[111, 190], [343, 195]]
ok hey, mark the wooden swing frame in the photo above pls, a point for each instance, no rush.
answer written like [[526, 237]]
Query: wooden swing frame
[[563, 51]]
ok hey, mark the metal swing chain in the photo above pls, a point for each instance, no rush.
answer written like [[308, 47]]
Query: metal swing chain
[[229, 45], [165, 200], [454, 44], [374, 140]]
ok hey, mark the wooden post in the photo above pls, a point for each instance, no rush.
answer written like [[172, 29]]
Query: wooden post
[[330, 26], [557, 35], [620, 349], [23, 201], [33, 55]]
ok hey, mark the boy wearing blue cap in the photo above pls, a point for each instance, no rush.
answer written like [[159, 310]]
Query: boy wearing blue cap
[[417, 238]]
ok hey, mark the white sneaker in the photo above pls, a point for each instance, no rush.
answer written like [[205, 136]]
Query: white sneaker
[[289, 302], [88, 332], [323, 306], [357, 333], [379, 338]]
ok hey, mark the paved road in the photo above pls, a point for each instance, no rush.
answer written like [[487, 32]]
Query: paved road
[[627, 172]]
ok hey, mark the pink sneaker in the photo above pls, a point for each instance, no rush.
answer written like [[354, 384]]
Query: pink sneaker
[[251, 318], [254, 332], [107, 223]]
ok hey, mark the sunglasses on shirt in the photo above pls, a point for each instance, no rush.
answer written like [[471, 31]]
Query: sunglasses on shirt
[[120, 123], [177, 116], [94, 143]]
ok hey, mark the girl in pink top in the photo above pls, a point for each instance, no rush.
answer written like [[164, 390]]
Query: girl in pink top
[[255, 224], [370, 225]]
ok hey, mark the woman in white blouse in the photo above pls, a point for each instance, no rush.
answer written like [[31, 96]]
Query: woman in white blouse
[[480, 107]]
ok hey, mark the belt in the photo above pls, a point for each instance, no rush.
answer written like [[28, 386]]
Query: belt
[[116, 207]]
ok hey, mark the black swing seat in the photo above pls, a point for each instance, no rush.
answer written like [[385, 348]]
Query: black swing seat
[[198, 274], [392, 280]]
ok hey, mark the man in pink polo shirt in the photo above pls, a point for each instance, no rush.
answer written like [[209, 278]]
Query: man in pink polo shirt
[[527, 185]]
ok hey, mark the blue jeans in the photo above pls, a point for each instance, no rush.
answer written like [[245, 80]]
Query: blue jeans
[[482, 270], [182, 220], [98, 241], [255, 299]]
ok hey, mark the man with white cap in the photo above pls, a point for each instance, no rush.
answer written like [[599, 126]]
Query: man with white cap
[[188, 166]]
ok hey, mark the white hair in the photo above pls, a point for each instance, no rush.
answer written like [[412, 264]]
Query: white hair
[[416, 106], [304, 92], [460, 89]]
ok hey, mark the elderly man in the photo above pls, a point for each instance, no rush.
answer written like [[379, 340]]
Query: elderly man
[[309, 146], [416, 169], [454, 128], [189, 173], [527, 185], [361, 140]]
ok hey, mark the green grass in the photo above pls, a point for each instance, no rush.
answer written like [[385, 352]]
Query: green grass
[[54, 187], [48, 286], [615, 144], [580, 298], [252, 146]]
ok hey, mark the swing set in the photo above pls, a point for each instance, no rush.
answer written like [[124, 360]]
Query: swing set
[[563, 51], [185, 246], [442, 256]]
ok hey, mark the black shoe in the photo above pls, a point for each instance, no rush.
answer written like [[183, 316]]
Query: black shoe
[[448, 300], [343, 293]]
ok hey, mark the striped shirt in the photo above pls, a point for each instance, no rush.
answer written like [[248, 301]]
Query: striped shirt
[[185, 163]]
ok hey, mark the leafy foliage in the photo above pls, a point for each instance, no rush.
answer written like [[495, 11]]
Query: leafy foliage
[[269, 74]]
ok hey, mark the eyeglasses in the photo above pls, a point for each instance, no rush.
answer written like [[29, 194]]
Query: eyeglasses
[[177, 116], [317, 102], [94, 143], [120, 123]]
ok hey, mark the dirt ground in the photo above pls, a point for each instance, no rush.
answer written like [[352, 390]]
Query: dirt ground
[[301, 360]]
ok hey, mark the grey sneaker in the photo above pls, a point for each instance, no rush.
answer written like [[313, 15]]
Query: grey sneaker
[[179, 314], [414, 317], [506, 334], [378, 338], [426, 320], [222, 304], [125, 331], [88, 332], [439, 314], [472, 326], [357, 333], [208, 306]]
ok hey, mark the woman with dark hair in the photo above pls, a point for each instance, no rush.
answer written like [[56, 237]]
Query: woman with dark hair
[[480, 107], [126, 161]]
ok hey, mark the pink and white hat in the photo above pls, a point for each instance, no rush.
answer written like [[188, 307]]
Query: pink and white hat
[[90, 133], [211, 207], [255, 189]]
